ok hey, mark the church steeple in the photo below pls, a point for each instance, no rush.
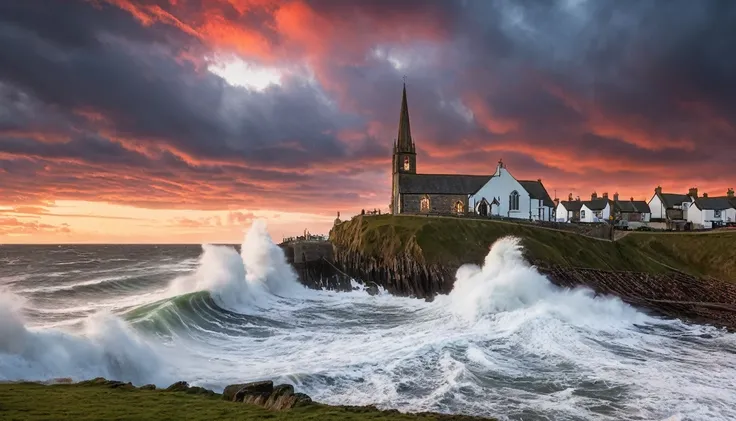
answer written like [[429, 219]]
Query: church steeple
[[404, 140]]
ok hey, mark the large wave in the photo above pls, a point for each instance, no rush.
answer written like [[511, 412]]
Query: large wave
[[105, 345]]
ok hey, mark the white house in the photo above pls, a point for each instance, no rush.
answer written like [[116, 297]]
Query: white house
[[568, 211], [504, 196], [671, 206], [596, 209], [705, 212]]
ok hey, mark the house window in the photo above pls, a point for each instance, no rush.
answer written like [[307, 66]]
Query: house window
[[582, 214], [514, 201], [424, 204], [716, 214], [407, 164], [459, 207]]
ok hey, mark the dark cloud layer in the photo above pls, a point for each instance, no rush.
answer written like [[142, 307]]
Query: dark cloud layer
[[112, 101]]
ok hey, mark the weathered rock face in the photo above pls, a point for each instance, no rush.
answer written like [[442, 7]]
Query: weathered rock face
[[402, 275], [266, 395]]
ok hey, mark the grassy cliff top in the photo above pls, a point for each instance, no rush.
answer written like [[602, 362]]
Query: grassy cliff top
[[33, 401], [454, 241]]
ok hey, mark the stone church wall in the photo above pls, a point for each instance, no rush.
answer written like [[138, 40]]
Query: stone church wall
[[439, 203]]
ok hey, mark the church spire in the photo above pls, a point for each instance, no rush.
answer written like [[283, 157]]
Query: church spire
[[404, 143]]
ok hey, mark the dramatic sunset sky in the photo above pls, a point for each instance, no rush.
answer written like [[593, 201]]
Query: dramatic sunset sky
[[183, 120]]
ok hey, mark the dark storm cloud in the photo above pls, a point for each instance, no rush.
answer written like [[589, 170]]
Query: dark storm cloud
[[88, 87]]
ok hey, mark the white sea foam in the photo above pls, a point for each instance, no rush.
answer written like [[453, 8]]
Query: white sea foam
[[106, 347]]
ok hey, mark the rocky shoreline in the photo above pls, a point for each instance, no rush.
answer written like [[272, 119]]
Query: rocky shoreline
[[258, 400]]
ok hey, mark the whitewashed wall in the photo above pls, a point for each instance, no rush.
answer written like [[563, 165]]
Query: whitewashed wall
[[500, 187], [590, 215], [655, 205]]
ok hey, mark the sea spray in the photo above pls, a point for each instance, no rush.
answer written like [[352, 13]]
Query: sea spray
[[506, 283], [105, 347], [242, 282]]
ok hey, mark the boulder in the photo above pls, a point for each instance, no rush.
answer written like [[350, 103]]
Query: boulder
[[148, 387], [178, 387], [196, 390], [281, 398], [237, 392]]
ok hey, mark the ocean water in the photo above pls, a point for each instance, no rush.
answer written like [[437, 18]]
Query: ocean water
[[505, 342]]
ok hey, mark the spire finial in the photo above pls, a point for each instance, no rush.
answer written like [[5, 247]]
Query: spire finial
[[404, 140], [404, 79]]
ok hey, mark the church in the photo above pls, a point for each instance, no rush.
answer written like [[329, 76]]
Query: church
[[495, 195]]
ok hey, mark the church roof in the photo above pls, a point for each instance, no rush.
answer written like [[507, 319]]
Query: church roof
[[537, 191], [441, 183], [404, 141]]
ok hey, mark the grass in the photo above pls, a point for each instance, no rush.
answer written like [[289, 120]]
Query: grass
[[33, 401], [454, 241]]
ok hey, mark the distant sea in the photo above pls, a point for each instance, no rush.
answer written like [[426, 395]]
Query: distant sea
[[504, 343]]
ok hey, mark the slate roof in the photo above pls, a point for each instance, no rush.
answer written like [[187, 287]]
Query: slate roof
[[636, 206], [671, 199], [596, 204], [714, 203], [573, 206], [441, 183], [537, 191]]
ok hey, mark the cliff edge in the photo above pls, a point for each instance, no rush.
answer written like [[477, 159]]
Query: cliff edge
[[690, 276]]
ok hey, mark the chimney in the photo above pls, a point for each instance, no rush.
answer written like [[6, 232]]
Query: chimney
[[577, 199], [632, 198], [693, 192], [594, 196], [729, 193], [658, 190], [705, 195], [615, 197], [605, 195], [569, 198]]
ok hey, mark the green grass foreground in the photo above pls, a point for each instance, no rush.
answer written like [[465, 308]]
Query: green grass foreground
[[33, 401], [454, 241]]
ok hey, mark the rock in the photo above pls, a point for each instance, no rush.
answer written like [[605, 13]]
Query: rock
[[372, 289], [148, 387], [196, 390], [301, 400], [281, 398], [178, 387], [229, 392], [266, 395], [246, 389]]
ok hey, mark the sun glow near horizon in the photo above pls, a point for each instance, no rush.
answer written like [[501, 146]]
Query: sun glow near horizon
[[70, 221]]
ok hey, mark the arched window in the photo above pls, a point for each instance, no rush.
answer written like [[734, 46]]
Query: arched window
[[424, 204], [514, 201], [582, 214], [459, 207], [407, 164]]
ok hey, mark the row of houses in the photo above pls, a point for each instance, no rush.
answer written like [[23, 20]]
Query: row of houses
[[663, 210]]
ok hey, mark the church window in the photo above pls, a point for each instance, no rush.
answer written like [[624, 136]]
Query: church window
[[407, 164], [424, 204], [459, 207], [582, 214], [514, 201]]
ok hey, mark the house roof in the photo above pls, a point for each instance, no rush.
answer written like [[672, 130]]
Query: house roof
[[672, 199], [441, 183], [573, 206], [537, 191], [632, 206], [714, 203], [596, 204]]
